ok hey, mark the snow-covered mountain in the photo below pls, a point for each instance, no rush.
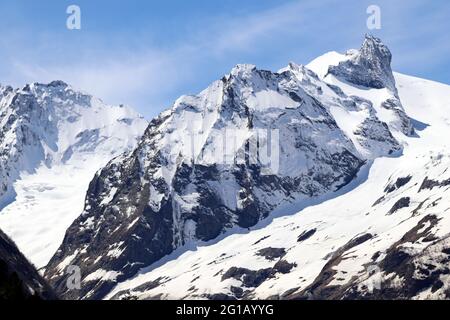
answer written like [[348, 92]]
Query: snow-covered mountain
[[195, 212], [52, 141], [385, 235]]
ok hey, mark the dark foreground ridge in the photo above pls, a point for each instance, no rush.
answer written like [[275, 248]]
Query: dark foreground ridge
[[19, 280]]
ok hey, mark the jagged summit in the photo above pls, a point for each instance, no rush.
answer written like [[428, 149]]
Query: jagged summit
[[367, 73], [374, 48], [368, 67], [56, 84]]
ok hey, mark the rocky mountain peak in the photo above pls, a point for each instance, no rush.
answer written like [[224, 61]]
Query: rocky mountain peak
[[369, 67], [374, 49]]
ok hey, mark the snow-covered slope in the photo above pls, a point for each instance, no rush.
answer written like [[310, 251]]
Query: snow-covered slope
[[53, 140], [387, 235], [194, 178]]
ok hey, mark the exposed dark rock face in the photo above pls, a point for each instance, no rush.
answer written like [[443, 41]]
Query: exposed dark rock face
[[370, 67], [401, 203], [19, 280], [262, 239], [271, 253], [283, 266], [430, 184], [254, 278], [373, 133], [306, 235], [219, 296], [400, 182], [249, 278]]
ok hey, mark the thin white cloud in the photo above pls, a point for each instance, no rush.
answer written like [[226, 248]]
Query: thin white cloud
[[147, 77], [119, 76], [111, 78]]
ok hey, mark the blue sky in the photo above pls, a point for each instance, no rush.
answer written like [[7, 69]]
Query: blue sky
[[147, 53]]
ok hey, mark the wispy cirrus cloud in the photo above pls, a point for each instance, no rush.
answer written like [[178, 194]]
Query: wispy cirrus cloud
[[147, 74]]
